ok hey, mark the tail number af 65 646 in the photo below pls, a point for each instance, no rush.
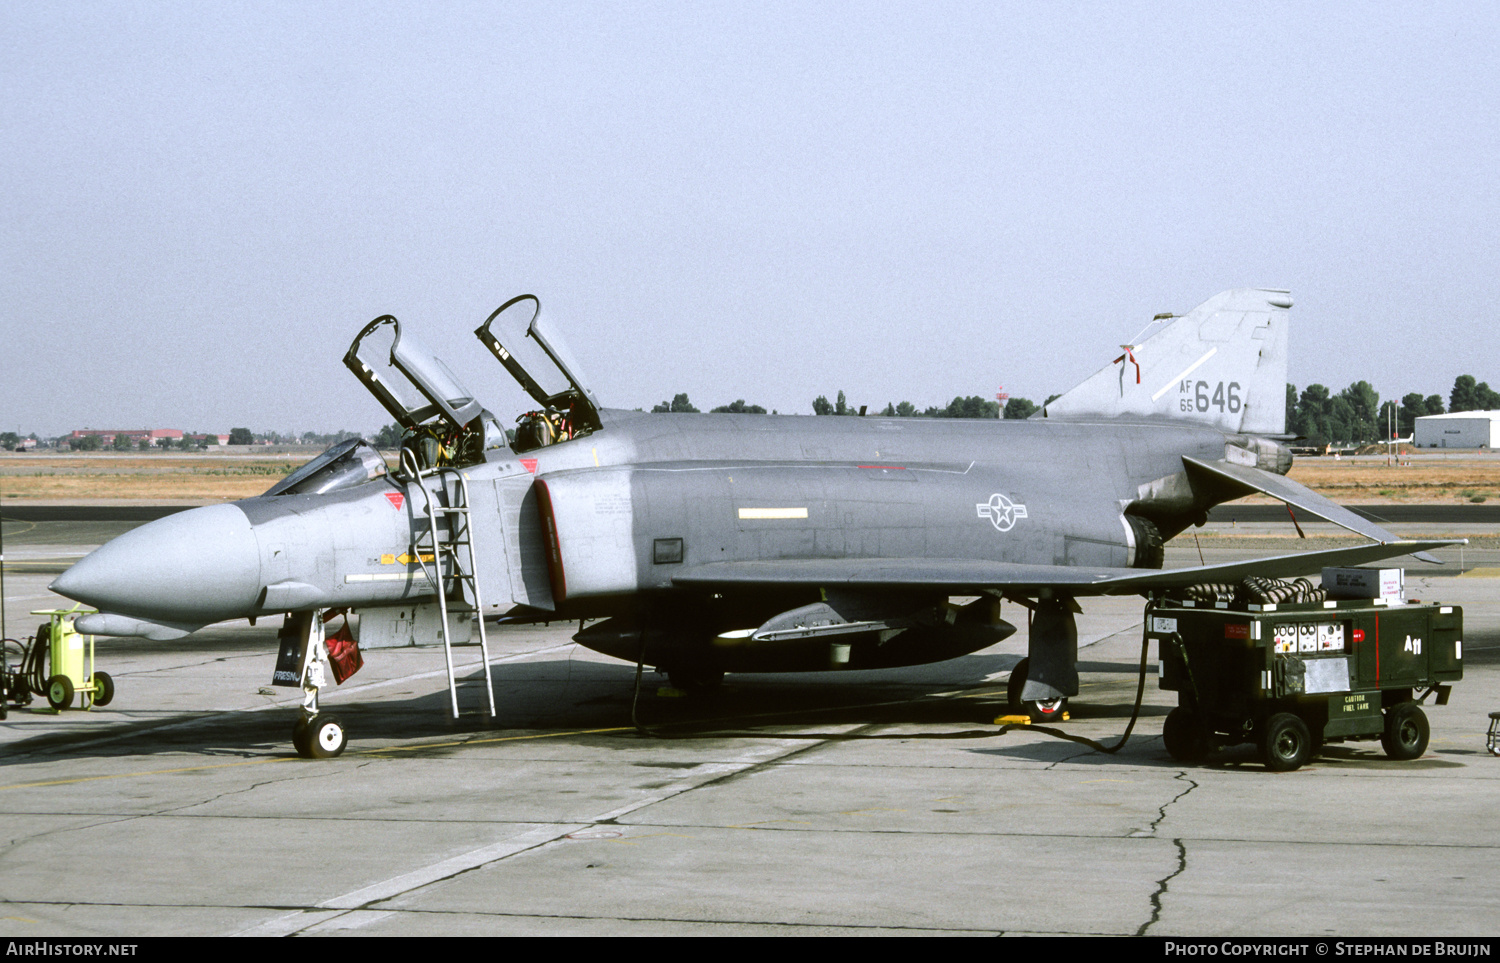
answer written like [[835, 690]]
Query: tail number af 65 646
[[1203, 395]]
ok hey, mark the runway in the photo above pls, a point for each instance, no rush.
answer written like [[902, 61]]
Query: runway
[[882, 802]]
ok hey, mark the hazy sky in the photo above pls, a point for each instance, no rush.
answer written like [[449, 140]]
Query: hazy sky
[[205, 202]]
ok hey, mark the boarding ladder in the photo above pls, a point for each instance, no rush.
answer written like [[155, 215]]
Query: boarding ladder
[[457, 549]]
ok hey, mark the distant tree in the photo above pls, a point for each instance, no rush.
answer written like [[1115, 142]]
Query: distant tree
[[840, 407], [1463, 396], [121, 443], [86, 443], [9, 440], [1020, 408], [1291, 408], [821, 406], [241, 436], [1312, 414], [679, 405], [1364, 406], [1411, 409], [1487, 399], [388, 437], [739, 408], [1433, 405], [970, 407]]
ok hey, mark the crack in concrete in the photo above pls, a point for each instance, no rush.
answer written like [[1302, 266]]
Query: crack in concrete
[[312, 772], [1166, 881]]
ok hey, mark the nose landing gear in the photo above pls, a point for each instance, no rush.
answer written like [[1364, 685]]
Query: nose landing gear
[[303, 661]]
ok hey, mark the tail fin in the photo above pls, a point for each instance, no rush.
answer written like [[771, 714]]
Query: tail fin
[[1222, 364]]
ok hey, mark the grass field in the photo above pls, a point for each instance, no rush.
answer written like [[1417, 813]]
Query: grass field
[[211, 476]]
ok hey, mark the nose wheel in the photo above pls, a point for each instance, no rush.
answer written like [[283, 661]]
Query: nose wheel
[[321, 737], [315, 734]]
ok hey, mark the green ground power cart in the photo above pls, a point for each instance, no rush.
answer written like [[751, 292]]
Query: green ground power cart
[[1291, 677]]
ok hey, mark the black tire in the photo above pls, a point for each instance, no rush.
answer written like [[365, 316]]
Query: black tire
[[326, 738], [1406, 731], [1285, 743], [59, 692], [104, 689], [1016, 683], [300, 738], [1047, 710], [1184, 736]]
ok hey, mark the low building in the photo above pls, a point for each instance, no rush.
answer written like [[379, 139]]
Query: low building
[[136, 435], [1458, 429]]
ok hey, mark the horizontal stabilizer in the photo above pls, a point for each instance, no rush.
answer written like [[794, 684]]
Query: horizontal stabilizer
[[1247, 480], [1279, 566], [955, 576]]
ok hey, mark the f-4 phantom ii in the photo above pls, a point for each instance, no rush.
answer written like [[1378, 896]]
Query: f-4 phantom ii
[[713, 543]]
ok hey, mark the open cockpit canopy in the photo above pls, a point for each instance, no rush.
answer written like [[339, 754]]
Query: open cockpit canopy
[[409, 380], [536, 356]]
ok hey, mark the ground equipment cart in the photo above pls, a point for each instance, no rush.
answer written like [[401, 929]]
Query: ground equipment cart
[[1292, 676]]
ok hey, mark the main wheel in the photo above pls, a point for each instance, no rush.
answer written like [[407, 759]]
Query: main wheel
[[1184, 736], [1047, 710], [104, 689], [1285, 743], [1406, 731], [326, 737], [59, 692]]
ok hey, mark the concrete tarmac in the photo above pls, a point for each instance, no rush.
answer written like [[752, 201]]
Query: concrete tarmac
[[882, 802]]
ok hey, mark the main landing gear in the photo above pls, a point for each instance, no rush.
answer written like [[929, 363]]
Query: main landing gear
[[1041, 683], [1044, 710]]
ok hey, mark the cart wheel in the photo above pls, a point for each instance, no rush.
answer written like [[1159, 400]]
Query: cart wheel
[[1285, 744], [1016, 683], [59, 692], [104, 689], [1185, 738], [325, 736], [1406, 731]]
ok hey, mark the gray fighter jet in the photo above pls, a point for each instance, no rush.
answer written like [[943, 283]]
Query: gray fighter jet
[[705, 544]]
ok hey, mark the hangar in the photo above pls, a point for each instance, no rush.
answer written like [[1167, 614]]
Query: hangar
[[1458, 429]]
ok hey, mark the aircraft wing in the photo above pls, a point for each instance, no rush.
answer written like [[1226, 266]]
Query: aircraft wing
[[1247, 480], [955, 576]]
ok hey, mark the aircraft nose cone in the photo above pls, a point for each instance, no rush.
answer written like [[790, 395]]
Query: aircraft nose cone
[[196, 566]]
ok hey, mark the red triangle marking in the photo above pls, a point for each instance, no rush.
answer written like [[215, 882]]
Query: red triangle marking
[[529, 464], [396, 499]]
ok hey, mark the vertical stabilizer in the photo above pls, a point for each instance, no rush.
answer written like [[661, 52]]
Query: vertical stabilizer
[[1222, 364]]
